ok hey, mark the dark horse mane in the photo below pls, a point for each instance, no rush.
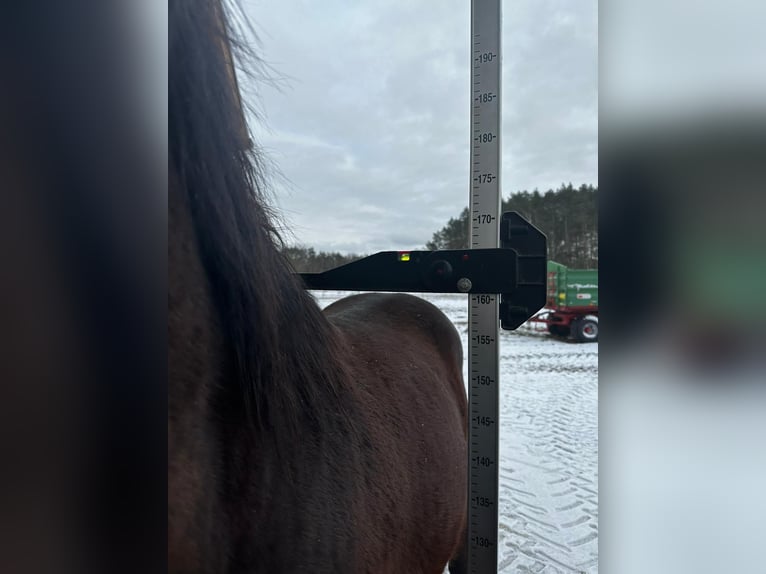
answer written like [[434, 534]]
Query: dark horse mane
[[265, 314], [298, 439]]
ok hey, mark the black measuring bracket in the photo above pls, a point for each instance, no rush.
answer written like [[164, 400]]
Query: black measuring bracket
[[516, 271]]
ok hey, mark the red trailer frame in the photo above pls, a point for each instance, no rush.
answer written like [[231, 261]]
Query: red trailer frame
[[579, 322]]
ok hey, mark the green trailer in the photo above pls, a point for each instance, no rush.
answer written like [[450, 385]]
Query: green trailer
[[571, 308]]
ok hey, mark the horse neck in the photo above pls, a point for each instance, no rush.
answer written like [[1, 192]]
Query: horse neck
[[194, 356], [285, 355]]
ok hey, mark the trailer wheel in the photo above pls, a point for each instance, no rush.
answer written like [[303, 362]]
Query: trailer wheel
[[585, 330]]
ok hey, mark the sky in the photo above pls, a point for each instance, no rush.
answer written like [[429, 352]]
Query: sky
[[368, 126]]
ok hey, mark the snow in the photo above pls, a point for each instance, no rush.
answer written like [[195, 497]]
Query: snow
[[548, 520]]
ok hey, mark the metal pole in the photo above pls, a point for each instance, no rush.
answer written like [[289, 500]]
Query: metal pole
[[483, 310]]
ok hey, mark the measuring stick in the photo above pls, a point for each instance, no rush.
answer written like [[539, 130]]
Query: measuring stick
[[483, 310]]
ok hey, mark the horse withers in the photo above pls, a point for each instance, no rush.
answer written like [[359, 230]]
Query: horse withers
[[298, 440]]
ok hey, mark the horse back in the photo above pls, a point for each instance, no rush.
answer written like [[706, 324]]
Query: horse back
[[405, 358]]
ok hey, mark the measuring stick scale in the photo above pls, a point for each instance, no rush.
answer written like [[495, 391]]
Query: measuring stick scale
[[483, 310]]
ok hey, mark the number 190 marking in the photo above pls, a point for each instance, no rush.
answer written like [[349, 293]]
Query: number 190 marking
[[486, 57]]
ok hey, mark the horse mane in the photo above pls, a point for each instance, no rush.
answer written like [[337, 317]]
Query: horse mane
[[281, 347]]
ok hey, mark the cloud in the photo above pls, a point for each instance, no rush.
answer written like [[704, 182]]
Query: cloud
[[372, 128]]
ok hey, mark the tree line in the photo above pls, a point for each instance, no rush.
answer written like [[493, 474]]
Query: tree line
[[308, 260], [568, 216]]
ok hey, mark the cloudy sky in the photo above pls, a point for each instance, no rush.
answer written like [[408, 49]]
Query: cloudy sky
[[370, 126]]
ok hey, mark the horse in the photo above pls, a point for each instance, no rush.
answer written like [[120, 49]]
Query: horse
[[299, 440]]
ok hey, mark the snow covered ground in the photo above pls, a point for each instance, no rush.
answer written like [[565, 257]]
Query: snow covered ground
[[548, 447]]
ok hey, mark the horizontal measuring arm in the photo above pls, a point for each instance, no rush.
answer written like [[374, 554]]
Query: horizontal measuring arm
[[516, 271], [449, 271]]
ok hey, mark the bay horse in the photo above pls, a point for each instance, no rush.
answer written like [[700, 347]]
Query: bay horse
[[298, 440]]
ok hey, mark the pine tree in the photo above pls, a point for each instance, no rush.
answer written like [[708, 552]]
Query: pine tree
[[568, 216]]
